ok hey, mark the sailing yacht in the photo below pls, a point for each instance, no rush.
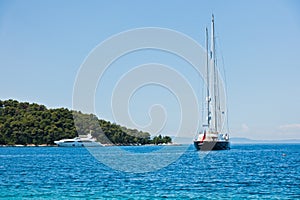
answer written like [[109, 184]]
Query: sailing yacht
[[213, 135]]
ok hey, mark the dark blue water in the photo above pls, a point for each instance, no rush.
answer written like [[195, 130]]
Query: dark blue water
[[264, 171]]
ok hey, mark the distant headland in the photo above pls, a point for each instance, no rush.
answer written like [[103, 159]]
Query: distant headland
[[238, 140], [23, 123]]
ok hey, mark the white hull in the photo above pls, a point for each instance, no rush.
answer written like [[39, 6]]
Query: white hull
[[78, 142]]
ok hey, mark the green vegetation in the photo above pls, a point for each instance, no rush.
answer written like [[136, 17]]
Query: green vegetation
[[161, 140], [25, 123]]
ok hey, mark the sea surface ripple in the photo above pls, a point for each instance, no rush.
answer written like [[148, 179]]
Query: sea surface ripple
[[252, 171]]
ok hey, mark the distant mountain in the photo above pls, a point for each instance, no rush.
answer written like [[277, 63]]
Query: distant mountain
[[182, 140], [235, 140], [238, 140], [242, 140]]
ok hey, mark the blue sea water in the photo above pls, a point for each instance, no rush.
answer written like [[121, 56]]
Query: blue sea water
[[257, 171]]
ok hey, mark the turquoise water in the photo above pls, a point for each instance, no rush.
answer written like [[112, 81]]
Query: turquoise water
[[264, 171]]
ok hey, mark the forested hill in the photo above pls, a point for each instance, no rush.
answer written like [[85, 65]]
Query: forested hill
[[30, 123]]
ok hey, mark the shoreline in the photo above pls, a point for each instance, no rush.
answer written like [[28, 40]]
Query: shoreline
[[103, 145], [28, 145]]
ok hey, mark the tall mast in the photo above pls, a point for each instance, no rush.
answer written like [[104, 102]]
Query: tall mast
[[213, 57], [207, 81]]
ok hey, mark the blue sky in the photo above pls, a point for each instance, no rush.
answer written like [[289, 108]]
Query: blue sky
[[43, 44]]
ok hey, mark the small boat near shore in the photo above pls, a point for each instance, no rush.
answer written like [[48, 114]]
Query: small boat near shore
[[79, 142]]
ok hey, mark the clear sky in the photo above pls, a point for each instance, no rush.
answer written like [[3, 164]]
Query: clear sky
[[43, 44]]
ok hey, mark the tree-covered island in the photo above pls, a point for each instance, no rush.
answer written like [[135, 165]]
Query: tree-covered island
[[30, 123]]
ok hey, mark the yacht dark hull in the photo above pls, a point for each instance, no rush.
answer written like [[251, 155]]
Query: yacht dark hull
[[212, 145]]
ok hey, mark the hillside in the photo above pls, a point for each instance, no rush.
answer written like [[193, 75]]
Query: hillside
[[30, 123]]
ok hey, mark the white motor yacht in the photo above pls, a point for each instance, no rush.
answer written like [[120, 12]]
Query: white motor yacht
[[78, 142]]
